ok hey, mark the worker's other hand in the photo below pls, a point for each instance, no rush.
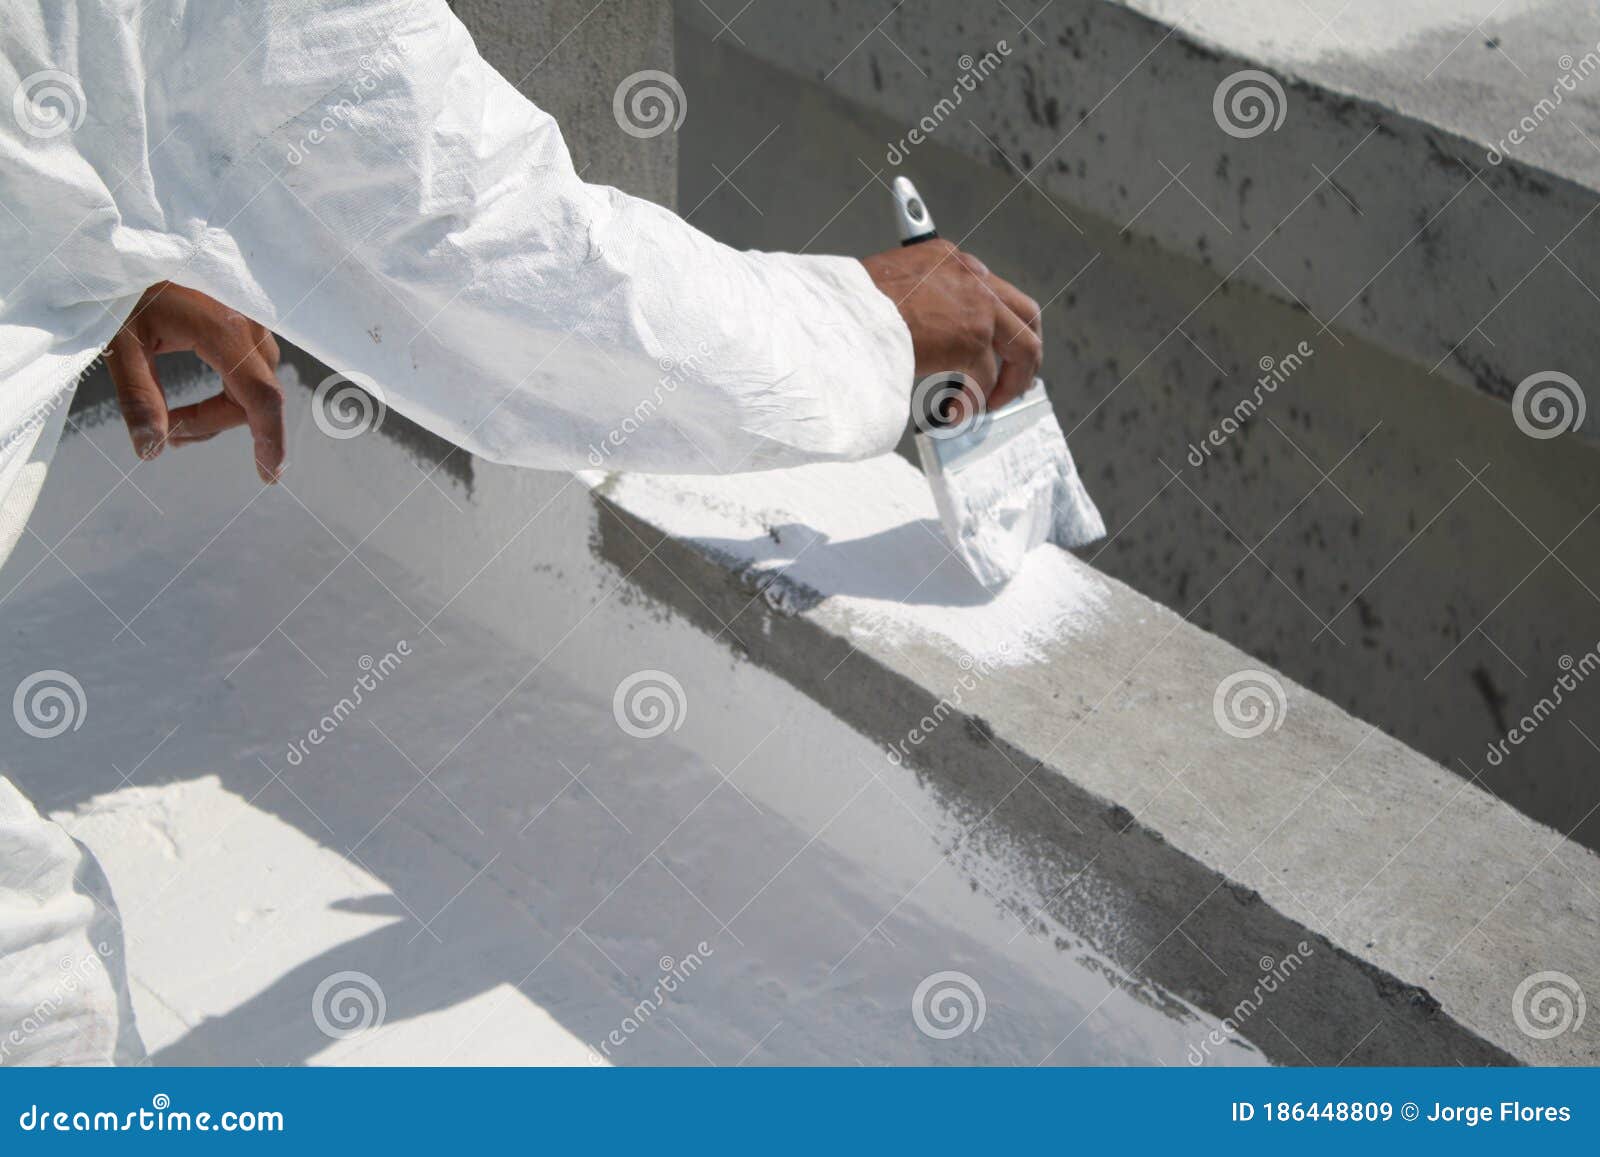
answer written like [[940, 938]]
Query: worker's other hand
[[170, 318], [963, 319]]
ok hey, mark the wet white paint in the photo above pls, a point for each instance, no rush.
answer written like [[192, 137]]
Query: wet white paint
[[480, 837], [866, 536]]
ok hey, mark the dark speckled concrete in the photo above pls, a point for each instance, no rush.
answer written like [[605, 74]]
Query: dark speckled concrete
[[1399, 587]]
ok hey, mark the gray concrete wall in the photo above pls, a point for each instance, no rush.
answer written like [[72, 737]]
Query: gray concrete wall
[[1412, 585], [1375, 189], [569, 57]]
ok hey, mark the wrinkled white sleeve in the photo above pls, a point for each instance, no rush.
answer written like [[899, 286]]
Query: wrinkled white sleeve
[[421, 229]]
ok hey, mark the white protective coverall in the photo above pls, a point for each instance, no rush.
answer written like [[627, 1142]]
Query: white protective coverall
[[351, 174]]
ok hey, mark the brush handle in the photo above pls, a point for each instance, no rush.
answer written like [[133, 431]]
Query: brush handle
[[912, 219], [915, 225]]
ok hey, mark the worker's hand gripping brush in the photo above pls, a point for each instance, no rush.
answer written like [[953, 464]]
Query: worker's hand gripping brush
[[1003, 481]]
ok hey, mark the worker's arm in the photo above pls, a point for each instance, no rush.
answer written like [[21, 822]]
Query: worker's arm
[[424, 230]]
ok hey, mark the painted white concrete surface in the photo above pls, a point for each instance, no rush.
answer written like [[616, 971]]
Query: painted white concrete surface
[[480, 837]]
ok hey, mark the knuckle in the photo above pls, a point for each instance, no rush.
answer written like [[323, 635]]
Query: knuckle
[[261, 397]]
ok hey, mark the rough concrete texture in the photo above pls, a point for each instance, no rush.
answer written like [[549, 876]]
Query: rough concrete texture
[[1413, 585], [1374, 193], [569, 57], [1098, 776]]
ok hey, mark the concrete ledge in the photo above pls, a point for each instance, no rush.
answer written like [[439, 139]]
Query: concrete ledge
[[1405, 586], [1092, 782], [1064, 737]]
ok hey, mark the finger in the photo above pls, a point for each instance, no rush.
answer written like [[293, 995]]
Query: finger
[[982, 369], [203, 420], [974, 265], [1018, 303], [259, 393], [236, 352], [1019, 350], [139, 394]]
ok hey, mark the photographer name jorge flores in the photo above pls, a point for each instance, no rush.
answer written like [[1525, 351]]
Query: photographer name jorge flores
[[1510, 1111]]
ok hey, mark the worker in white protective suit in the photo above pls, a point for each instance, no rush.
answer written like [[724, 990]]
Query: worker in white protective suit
[[186, 175]]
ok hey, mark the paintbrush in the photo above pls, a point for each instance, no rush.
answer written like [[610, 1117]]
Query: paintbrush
[[1003, 481]]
